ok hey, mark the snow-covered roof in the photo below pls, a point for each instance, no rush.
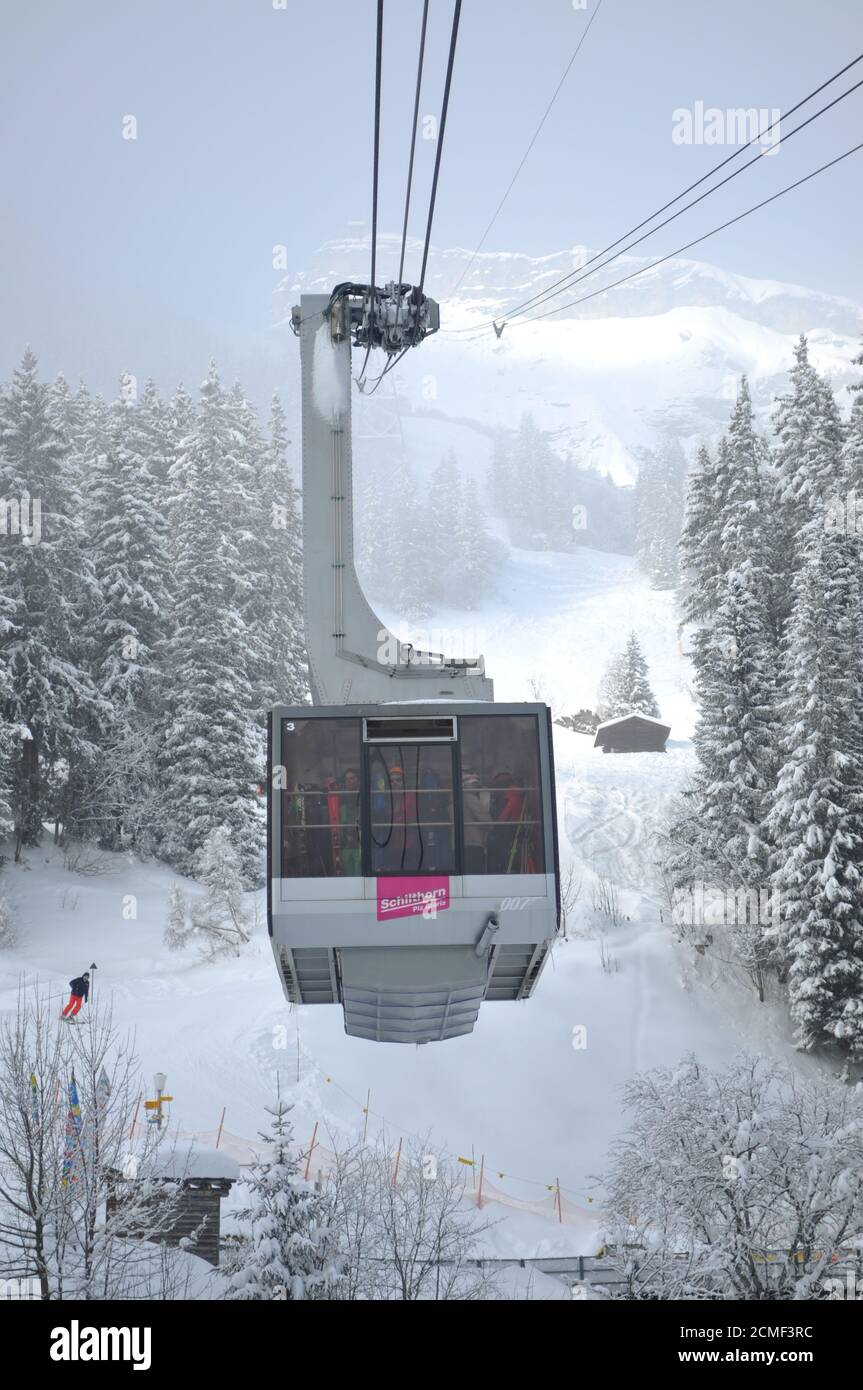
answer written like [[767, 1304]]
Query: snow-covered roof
[[182, 1158], [622, 718], [456, 700], [188, 1159]]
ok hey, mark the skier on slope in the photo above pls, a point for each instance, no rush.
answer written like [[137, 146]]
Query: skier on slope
[[80, 988]]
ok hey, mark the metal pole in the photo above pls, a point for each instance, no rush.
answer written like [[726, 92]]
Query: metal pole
[[221, 1122], [311, 1148], [398, 1160]]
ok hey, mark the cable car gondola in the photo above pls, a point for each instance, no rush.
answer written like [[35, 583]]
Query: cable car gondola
[[413, 861], [412, 833]]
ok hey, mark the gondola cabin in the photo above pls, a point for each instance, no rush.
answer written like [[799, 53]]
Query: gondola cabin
[[632, 733], [413, 860]]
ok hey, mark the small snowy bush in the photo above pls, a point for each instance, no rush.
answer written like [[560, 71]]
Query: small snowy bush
[[8, 935], [178, 927], [220, 919]]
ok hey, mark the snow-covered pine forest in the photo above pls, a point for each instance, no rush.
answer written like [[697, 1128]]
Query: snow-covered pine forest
[[772, 561], [150, 574], [446, 541], [155, 612]]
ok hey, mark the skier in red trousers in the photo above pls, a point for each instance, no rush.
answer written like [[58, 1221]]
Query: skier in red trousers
[[80, 988]]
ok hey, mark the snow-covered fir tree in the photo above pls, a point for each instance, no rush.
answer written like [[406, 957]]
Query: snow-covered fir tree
[[413, 559], [660, 501], [848, 514], [287, 675], [547, 500], [420, 547], [251, 574], [461, 556], [286, 1248], [92, 784], [772, 582], [700, 559], [49, 590], [809, 437], [625, 687], [129, 546], [721, 834], [392, 525], [735, 742], [742, 701], [81, 419], [503, 482], [9, 736], [220, 919], [178, 926], [208, 757], [817, 817], [8, 934], [372, 551], [478, 555], [441, 522], [539, 499]]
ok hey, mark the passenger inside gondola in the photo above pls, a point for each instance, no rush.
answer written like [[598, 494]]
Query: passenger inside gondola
[[321, 835], [349, 820], [476, 813], [410, 809], [501, 795], [506, 810]]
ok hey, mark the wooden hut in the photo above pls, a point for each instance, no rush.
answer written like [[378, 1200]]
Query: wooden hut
[[632, 733], [204, 1176]]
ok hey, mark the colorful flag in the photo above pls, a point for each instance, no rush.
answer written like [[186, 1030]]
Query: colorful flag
[[73, 1131], [34, 1102], [103, 1091]]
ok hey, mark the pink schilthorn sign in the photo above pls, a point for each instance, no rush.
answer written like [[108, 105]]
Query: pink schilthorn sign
[[411, 897]]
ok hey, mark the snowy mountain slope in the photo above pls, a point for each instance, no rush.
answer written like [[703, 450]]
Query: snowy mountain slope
[[517, 1090], [661, 353], [556, 619], [496, 279]]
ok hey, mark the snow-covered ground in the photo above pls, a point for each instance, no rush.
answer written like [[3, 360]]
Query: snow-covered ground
[[518, 1091]]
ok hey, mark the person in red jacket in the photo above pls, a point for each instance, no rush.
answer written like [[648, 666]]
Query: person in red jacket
[[507, 812], [80, 988]]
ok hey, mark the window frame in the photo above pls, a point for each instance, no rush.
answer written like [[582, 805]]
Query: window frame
[[285, 793], [540, 790], [547, 828], [429, 738], [366, 808]]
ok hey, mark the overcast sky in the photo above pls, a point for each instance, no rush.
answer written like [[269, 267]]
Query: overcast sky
[[254, 128]]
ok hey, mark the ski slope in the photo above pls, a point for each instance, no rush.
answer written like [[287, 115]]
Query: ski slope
[[516, 1091], [553, 624]]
